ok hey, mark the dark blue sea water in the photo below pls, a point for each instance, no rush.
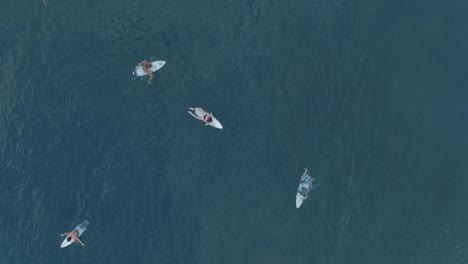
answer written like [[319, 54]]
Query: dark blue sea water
[[371, 96]]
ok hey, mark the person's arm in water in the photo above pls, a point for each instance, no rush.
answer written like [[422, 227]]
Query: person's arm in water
[[64, 234], [150, 74], [79, 241], [305, 173]]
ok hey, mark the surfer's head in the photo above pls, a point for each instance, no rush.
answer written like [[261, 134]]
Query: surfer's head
[[208, 118], [68, 239]]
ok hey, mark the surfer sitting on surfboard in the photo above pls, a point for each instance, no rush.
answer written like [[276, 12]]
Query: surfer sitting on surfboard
[[147, 68], [73, 235]]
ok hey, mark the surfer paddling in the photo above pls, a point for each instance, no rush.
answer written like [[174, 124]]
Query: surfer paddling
[[73, 235]]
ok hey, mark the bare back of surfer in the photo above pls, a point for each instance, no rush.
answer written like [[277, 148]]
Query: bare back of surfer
[[147, 68], [73, 235]]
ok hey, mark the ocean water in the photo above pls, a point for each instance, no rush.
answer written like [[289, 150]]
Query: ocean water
[[371, 96]]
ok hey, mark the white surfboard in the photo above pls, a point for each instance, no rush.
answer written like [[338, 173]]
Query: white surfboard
[[199, 112], [304, 188], [299, 200], [156, 66], [215, 123], [80, 229]]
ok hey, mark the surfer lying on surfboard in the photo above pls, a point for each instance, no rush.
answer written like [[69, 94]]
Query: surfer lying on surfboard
[[73, 235], [208, 118], [205, 117], [147, 68], [307, 180]]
